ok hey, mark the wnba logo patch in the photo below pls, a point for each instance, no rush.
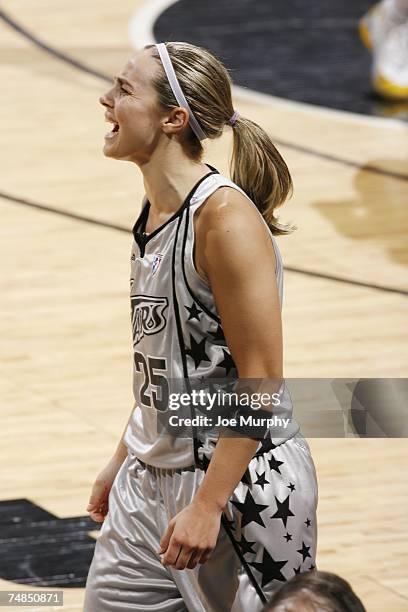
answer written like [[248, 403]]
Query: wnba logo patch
[[156, 263]]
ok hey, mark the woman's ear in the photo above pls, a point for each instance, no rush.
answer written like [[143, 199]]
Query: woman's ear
[[176, 121]]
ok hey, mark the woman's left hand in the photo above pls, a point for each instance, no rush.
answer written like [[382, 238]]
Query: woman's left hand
[[191, 535]]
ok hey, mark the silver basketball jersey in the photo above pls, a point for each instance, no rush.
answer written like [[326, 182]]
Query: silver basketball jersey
[[177, 332]]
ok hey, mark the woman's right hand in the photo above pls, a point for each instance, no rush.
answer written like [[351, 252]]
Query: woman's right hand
[[98, 502]]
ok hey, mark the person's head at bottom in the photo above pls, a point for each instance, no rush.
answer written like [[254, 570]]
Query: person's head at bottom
[[315, 591]]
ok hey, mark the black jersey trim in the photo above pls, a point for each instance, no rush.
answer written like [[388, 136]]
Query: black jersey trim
[[241, 557], [181, 336], [238, 551], [141, 222], [141, 218], [183, 252]]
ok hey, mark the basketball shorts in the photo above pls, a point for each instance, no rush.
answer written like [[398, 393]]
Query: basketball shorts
[[268, 535]]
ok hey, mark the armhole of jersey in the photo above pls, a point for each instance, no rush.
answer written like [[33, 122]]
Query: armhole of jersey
[[198, 288], [229, 183], [193, 268]]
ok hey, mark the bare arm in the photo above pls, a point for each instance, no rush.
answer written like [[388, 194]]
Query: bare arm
[[237, 257], [98, 502], [121, 450]]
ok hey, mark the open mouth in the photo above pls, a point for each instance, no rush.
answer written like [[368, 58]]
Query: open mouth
[[113, 131]]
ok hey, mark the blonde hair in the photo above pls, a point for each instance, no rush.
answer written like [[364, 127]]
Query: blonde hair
[[256, 165]]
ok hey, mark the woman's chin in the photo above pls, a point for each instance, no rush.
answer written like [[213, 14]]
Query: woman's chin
[[109, 150]]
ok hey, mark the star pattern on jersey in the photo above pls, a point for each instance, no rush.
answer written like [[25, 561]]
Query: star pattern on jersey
[[308, 522], [304, 551], [283, 512], [297, 569], [312, 567], [261, 481], [288, 537], [227, 362], [274, 464], [250, 510], [197, 351], [291, 487], [193, 312], [245, 545], [269, 568]]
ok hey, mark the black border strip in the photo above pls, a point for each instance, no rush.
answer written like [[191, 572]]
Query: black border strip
[[180, 333], [81, 66], [195, 298], [241, 557]]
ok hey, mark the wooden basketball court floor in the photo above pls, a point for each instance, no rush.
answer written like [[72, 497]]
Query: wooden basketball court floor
[[65, 325]]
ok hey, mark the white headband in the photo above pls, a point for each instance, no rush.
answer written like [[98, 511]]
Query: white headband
[[178, 93]]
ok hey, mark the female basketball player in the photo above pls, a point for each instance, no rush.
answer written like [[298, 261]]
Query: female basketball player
[[192, 523]]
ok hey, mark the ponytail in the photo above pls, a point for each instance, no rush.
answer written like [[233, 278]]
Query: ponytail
[[259, 169], [256, 166]]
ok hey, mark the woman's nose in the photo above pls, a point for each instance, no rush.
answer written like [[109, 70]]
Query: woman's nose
[[104, 100]]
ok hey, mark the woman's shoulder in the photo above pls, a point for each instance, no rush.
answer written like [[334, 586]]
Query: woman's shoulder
[[228, 208]]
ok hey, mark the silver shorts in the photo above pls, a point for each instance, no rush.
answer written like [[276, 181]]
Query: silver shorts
[[268, 535]]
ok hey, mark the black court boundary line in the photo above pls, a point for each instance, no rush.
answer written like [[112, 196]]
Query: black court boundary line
[[51, 50], [121, 228], [348, 281], [84, 68], [345, 162], [63, 213]]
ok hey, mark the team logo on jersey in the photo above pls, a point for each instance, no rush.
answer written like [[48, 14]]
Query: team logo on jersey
[[156, 263], [147, 315]]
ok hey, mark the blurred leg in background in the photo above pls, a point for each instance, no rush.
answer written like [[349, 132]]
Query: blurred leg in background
[[384, 31]]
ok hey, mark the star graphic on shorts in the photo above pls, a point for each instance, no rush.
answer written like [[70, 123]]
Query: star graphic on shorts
[[308, 522], [246, 546], [291, 487], [193, 312], [227, 362], [197, 351], [266, 445], [261, 480], [246, 478], [274, 464], [304, 551], [297, 570], [312, 567], [283, 511], [288, 537], [269, 568], [250, 510]]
